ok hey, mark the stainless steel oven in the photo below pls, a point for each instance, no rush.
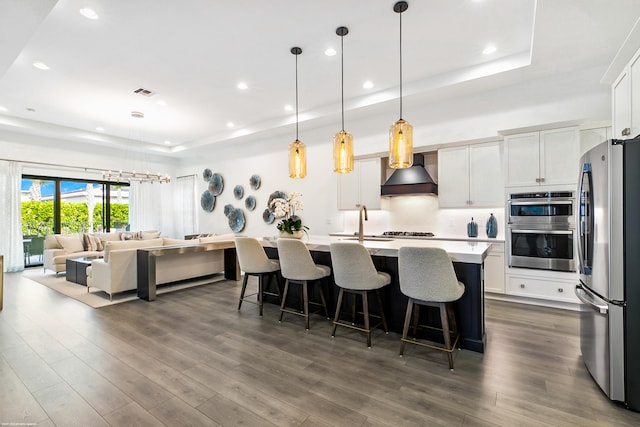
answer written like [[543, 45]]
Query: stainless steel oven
[[541, 230]]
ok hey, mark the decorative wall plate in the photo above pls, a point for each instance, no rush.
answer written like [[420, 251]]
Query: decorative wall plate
[[268, 217], [227, 209], [236, 220], [238, 192], [276, 195], [206, 174], [250, 203], [207, 201], [254, 182], [216, 184]]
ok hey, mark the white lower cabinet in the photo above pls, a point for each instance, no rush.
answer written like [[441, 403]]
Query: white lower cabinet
[[494, 280], [542, 288]]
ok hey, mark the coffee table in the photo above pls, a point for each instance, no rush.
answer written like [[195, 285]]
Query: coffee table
[[77, 269]]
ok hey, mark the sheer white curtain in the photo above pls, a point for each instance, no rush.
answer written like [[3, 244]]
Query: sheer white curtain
[[185, 206], [145, 206], [11, 216]]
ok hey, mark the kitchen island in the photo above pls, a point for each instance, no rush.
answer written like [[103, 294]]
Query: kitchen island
[[467, 257]]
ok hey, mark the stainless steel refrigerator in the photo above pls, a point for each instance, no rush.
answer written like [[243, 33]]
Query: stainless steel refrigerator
[[609, 266]]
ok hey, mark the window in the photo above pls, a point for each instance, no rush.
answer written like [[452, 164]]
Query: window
[[58, 205]]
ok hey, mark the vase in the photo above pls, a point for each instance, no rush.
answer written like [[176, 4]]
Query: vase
[[492, 226], [295, 235], [472, 228]]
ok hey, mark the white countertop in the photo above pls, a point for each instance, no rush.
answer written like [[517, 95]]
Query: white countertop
[[473, 252], [462, 238]]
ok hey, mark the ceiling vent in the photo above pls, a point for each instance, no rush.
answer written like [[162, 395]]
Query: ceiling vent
[[144, 92]]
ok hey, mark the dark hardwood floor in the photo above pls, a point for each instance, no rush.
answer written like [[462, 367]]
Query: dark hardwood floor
[[190, 358]]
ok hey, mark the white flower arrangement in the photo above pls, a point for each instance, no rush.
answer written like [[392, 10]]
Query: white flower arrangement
[[285, 208]]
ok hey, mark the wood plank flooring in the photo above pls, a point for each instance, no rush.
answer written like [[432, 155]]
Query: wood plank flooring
[[191, 359]]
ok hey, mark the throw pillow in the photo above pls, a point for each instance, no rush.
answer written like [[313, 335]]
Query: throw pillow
[[146, 235], [127, 236], [71, 243], [92, 243]]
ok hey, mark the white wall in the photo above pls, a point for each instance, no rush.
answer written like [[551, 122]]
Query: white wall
[[481, 116]]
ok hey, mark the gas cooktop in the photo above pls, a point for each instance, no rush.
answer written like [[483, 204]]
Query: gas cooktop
[[408, 234]]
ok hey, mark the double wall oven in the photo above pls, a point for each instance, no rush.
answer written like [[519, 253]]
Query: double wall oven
[[541, 230]]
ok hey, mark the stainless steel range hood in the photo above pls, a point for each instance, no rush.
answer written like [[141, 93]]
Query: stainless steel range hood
[[413, 180]]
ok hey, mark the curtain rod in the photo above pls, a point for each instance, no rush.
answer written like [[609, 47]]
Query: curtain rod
[[86, 169]]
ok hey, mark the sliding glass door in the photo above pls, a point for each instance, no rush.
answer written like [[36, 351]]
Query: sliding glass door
[[58, 205]]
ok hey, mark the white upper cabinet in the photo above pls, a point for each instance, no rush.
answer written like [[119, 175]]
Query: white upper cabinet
[[626, 101], [547, 157], [470, 176], [360, 187]]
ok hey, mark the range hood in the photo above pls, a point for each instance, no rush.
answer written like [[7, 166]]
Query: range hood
[[413, 180]]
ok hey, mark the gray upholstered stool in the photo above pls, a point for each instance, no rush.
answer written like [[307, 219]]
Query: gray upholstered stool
[[298, 268], [254, 262], [354, 273], [427, 278]]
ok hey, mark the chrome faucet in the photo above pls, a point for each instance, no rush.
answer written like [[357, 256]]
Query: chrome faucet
[[360, 223]]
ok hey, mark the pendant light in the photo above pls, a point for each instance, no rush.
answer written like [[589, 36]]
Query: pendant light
[[342, 141], [401, 132], [297, 149]]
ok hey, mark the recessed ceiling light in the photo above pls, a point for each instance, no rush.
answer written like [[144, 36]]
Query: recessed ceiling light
[[230, 124], [489, 50], [41, 65], [137, 114], [161, 103], [367, 84], [31, 110], [330, 52], [3, 109], [167, 142], [100, 129], [89, 13], [288, 108], [243, 86]]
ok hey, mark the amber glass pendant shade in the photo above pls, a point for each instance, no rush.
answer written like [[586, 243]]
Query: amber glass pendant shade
[[400, 145], [343, 152], [297, 159]]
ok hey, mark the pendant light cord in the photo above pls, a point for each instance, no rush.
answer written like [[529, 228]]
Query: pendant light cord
[[342, 76], [296, 97], [400, 65]]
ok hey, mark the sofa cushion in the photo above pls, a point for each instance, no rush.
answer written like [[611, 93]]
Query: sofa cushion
[[129, 244], [71, 243], [92, 243], [151, 234], [51, 242], [128, 235], [109, 237]]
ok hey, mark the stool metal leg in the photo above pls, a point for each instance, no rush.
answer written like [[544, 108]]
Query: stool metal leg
[[384, 320], [365, 311], [405, 330], [337, 316], [260, 292], [244, 288], [444, 318], [284, 299], [324, 301], [305, 293]]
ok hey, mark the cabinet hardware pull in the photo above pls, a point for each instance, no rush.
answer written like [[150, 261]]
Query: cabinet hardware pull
[[522, 285], [560, 290], [626, 131], [541, 179]]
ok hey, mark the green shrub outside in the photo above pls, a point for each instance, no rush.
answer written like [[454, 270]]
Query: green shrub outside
[[37, 217]]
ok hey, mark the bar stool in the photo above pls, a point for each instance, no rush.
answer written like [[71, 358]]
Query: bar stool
[[254, 262], [298, 267], [427, 278], [354, 273]]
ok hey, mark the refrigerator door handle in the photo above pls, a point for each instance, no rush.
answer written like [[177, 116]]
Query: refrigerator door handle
[[584, 296]]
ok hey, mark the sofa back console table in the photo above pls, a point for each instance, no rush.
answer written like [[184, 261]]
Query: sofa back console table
[[146, 258]]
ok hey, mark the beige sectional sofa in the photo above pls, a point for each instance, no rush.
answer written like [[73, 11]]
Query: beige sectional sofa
[[118, 272], [60, 247]]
